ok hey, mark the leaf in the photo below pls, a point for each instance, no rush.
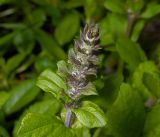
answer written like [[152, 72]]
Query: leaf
[[116, 6], [152, 124], [6, 38], [73, 4], [152, 82], [137, 29], [3, 98], [126, 116], [137, 78], [90, 115], [51, 82], [43, 62], [62, 69], [111, 87], [38, 17], [47, 107], [49, 44], [70, 25], [39, 125], [89, 89], [82, 132], [136, 54], [92, 8], [151, 10], [21, 95], [12, 25], [106, 36], [135, 6], [24, 40], [3, 132], [112, 26], [14, 62]]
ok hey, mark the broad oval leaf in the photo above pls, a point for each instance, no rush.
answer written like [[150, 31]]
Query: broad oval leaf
[[136, 54], [138, 78], [127, 115], [90, 115], [67, 28], [38, 125], [51, 82], [21, 95], [47, 107]]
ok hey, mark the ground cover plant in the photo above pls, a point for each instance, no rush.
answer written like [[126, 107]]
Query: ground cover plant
[[58, 81]]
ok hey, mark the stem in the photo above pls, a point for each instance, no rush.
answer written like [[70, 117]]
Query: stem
[[131, 19], [68, 117]]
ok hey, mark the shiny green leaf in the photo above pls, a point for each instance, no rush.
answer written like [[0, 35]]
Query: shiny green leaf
[[42, 125], [21, 95], [90, 115]]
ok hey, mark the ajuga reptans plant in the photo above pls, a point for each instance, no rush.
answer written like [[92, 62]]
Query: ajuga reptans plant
[[71, 83]]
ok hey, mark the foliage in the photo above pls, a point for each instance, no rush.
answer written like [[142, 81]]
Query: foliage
[[122, 100]]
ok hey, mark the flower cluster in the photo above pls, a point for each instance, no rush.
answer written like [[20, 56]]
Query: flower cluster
[[83, 60]]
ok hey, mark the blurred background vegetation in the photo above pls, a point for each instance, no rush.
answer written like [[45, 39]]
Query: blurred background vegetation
[[35, 34]]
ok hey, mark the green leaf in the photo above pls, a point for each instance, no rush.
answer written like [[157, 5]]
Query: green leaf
[[48, 74], [38, 17], [3, 98], [49, 44], [111, 87], [106, 36], [12, 25], [21, 95], [44, 61], [82, 132], [47, 107], [137, 29], [135, 6], [7, 38], [151, 10], [39, 125], [73, 4], [14, 62], [152, 124], [92, 9], [112, 26], [62, 69], [51, 82], [89, 89], [152, 82], [3, 132], [117, 6], [24, 40], [90, 115], [126, 116], [137, 79], [130, 52], [69, 25]]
